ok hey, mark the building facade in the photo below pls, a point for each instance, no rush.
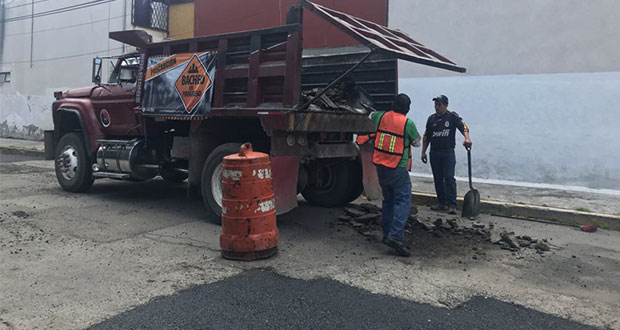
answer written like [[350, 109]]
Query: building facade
[[539, 94], [48, 46]]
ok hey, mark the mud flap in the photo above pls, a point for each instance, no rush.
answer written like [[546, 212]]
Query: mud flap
[[284, 171], [370, 178]]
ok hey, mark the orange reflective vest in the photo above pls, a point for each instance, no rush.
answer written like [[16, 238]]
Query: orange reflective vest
[[390, 140]]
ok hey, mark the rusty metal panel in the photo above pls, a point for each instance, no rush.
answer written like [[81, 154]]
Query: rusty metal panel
[[384, 39], [333, 150], [284, 170], [292, 77], [329, 122], [136, 38]]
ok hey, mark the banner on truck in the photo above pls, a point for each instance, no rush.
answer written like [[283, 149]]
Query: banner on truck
[[180, 85]]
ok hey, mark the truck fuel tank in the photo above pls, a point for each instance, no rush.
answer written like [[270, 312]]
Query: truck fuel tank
[[124, 157]]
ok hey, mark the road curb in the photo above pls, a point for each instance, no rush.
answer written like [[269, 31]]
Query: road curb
[[22, 151], [532, 212]]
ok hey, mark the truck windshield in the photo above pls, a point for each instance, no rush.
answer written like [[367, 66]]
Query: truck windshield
[[126, 71]]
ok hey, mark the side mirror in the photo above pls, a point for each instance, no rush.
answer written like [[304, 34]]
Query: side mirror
[[97, 64]]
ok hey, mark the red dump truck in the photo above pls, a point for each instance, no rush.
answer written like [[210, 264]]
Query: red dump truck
[[175, 108]]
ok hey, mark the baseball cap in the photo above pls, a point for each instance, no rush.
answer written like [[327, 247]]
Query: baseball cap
[[442, 99]]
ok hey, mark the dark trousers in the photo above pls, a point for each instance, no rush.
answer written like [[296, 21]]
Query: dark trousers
[[442, 163], [396, 188]]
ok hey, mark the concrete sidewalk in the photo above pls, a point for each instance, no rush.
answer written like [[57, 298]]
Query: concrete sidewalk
[[13, 146], [583, 200], [572, 206]]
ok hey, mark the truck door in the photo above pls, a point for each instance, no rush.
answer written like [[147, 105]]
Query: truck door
[[114, 102]]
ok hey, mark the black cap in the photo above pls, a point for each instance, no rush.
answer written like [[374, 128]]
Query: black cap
[[402, 102], [441, 99]]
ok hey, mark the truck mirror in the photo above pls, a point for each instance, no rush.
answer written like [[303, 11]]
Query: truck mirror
[[97, 64]]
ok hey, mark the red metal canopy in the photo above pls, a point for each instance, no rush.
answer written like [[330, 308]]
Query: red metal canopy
[[377, 37]]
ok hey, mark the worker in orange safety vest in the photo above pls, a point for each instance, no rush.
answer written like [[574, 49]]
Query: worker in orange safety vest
[[392, 157]]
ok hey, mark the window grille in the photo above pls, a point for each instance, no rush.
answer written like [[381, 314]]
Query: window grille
[[152, 14]]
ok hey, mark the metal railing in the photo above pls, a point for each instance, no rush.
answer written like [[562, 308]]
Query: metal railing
[[152, 14]]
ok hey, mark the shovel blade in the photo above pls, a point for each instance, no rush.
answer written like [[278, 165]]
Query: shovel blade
[[471, 204]]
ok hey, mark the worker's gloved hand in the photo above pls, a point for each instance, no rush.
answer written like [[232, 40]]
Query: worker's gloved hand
[[416, 143], [424, 159], [467, 143]]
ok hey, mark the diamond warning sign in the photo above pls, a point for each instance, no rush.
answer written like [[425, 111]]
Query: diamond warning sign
[[193, 83]]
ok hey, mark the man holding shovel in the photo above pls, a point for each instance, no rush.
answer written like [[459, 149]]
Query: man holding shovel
[[441, 135]]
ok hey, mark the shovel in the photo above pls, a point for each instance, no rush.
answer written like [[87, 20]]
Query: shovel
[[471, 202]]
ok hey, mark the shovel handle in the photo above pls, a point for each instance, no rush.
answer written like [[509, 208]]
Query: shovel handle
[[469, 166]]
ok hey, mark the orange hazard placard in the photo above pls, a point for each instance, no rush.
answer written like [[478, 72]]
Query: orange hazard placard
[[193, 83]]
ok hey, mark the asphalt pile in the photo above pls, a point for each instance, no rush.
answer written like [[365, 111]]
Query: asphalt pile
[[333, 99], [343, 97], [366, 217]]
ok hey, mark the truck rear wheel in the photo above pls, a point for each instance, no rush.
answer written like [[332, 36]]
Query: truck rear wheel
[[73, 164], [211, 182], [328, 185]]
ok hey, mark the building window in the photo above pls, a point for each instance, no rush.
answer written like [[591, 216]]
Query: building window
[[152, 14], [5, 77]]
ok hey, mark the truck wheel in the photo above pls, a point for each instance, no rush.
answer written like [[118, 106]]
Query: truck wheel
[[170, 175], [356, 185], [328, 185], [211, 183], [73, 164]]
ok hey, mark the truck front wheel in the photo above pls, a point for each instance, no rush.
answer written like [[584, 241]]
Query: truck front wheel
[[328, 184], [211, 183], [73, 164]]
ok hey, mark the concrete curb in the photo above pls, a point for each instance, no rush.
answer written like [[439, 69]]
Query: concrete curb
[[533, 212], [13, 150]]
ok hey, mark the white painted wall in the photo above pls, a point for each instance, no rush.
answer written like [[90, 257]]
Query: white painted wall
[[513, 36], [551, 128], [63, 46], [541, 91]]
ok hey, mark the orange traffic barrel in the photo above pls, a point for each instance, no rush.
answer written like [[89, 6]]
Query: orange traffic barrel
[[249, 228]]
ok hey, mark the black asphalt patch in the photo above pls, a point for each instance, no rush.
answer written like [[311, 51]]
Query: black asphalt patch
[[262, 299]]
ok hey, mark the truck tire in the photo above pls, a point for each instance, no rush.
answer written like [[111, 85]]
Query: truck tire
[[73, 164], [211, 185], [328, 185], [170, 175], [356, 185]]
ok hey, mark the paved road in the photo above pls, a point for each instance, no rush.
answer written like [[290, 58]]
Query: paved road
[[262, 299], [71, 261]]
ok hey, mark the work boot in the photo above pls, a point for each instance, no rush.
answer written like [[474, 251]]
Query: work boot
[[439, 207], [452, 210], [398, 246]]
